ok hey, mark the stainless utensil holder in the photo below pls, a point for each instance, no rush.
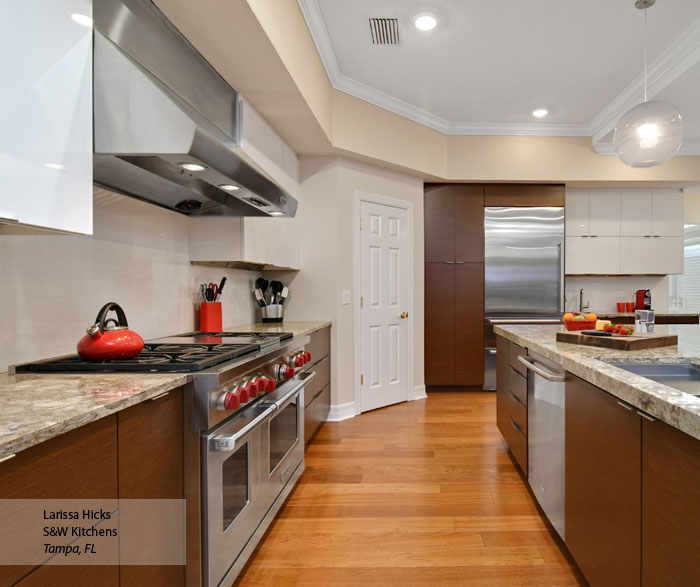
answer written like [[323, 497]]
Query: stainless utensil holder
[[272, 313]]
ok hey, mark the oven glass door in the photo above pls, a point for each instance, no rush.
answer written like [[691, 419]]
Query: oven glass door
[[233, 504]]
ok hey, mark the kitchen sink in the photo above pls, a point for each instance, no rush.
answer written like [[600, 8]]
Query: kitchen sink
[[682, 376]]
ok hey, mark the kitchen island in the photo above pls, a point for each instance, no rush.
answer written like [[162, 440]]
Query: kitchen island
[[612, 457]]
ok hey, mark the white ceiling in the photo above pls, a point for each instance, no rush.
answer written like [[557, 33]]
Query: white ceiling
[[489, 63]]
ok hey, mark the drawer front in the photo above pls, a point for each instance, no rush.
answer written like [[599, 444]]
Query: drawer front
[[517, 442], [517, 412], [513, 354], [517, 385], [322, 379], [320, 344], [316, 413]]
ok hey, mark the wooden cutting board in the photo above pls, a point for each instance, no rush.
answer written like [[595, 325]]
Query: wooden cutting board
[[620, 342]]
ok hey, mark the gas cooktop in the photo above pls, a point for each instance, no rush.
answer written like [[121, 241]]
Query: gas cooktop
[[185, 353]]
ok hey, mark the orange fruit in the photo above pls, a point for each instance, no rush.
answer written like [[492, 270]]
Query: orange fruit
[[568, 316], [591, 316]]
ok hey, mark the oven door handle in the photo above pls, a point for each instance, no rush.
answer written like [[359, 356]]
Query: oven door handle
[[307, 378], [228, 443]]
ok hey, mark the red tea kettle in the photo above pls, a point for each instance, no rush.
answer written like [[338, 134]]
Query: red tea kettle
[[108, 342]]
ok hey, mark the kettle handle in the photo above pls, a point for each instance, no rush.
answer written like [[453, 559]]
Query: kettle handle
[[102, 315]]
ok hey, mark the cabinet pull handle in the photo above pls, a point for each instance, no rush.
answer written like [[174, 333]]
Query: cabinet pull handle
[[585, 236], [594, 236], [657, 236], [646, 416], [7, 458], [449, 262], [459, 262], [160, 395], [513, 397], [628, 408], [516, 426], [647, 236]]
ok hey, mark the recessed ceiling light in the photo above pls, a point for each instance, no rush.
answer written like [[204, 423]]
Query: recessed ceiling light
[[276, 213], [54, 166], [191, 166], [81, 19], [540, 112], [425, 21], [229, 187]]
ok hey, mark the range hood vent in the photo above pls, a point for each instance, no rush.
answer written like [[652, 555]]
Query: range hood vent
[[166, 123]]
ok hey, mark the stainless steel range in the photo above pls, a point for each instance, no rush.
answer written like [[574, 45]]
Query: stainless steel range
[[248, 414]]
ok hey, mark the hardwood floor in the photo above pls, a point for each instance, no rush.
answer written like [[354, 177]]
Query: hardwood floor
[[421, 493]]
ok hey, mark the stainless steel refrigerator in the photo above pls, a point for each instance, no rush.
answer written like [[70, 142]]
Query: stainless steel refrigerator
[[523, 271]]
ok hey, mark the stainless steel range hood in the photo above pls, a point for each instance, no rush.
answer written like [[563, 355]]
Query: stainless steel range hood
[[158, 105]]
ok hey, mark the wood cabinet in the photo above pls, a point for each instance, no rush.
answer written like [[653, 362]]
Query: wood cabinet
[[46, 139], [81, 464], [150, 449], [636, 232], [454, 291], [511, 399], [670, 506], [603, 485], [317, 394]]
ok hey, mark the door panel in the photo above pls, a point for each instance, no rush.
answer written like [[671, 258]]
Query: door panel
[[439, 223], [468, 224], [577, 213], [667, 213], [384, 285], [469, 324], [635, 214], [605, 214], [440, 324]]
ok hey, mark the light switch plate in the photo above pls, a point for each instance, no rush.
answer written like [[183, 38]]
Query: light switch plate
[[346, 297]]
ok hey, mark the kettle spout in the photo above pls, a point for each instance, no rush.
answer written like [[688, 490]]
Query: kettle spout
[[95, 332]]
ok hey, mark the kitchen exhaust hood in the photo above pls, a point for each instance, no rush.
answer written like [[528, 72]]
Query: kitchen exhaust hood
[[166, 123]]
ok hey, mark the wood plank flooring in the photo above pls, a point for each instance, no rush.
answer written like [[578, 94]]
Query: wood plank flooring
[[421, 493]]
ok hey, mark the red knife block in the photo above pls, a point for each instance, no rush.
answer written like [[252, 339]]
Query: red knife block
[[210, 317]]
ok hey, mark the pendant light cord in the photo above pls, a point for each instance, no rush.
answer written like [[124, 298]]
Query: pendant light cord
[[645, 54]]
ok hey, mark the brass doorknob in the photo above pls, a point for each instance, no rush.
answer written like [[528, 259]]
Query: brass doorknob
[[404, 315]]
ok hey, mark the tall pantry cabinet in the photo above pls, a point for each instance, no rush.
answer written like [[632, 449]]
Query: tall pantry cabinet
[[454, 284]]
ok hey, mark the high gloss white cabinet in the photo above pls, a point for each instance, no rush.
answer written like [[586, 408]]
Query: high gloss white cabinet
[[272, 243], [46, 115], [630, 232]]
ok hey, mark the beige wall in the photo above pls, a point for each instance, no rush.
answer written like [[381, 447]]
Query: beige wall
[[52, 286], [326, 212]]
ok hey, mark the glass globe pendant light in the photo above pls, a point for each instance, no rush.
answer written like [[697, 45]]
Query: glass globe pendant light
[[652, 132]]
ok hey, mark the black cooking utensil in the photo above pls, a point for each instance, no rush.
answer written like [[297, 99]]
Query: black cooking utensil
[[221, 287], [276, 287]]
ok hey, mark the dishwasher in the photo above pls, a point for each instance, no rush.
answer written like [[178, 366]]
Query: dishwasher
[[545, 436]]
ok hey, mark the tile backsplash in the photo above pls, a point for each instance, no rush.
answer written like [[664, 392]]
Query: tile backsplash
[[602, 293], [52, 286]]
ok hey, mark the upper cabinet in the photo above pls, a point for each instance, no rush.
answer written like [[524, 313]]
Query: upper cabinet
[[624, 233], [46, 105]]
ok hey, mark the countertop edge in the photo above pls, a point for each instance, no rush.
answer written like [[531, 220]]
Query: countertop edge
[[37, 436], [675, 408]]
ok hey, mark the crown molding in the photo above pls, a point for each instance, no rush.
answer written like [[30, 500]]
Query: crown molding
[[677, 59], [673, 62], [686, 149]]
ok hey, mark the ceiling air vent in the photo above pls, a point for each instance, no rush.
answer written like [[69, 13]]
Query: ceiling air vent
[[385, 31]]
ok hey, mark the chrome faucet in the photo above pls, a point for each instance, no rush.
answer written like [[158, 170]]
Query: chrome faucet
[[581, 307]]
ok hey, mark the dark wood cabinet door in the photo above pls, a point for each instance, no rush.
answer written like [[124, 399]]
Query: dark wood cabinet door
[[469, 324], [670, 506], [603, 485], [469, 224], [439, 223], [439, 323], [502, 385], [80, 464], [151, 467]]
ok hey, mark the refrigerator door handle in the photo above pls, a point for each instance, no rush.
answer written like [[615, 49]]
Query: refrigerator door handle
[[561, 275]]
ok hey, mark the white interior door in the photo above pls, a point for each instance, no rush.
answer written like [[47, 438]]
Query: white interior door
[[384, 287]]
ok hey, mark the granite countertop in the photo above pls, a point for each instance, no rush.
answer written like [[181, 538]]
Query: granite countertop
[[35, 408], [597, 366], [666, 316]]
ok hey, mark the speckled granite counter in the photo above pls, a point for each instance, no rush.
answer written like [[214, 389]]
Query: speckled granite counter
[[296, 328], [597, 366], [35, 408]]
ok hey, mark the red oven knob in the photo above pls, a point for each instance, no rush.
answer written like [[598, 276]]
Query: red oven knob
[[271, 385], [252, 389], [244, 397], [231, 401], [308, 356], [298, 361], [289, 372]]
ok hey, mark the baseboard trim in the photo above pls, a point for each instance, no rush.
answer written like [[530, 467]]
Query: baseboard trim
[[418, 393], [341, 412]]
